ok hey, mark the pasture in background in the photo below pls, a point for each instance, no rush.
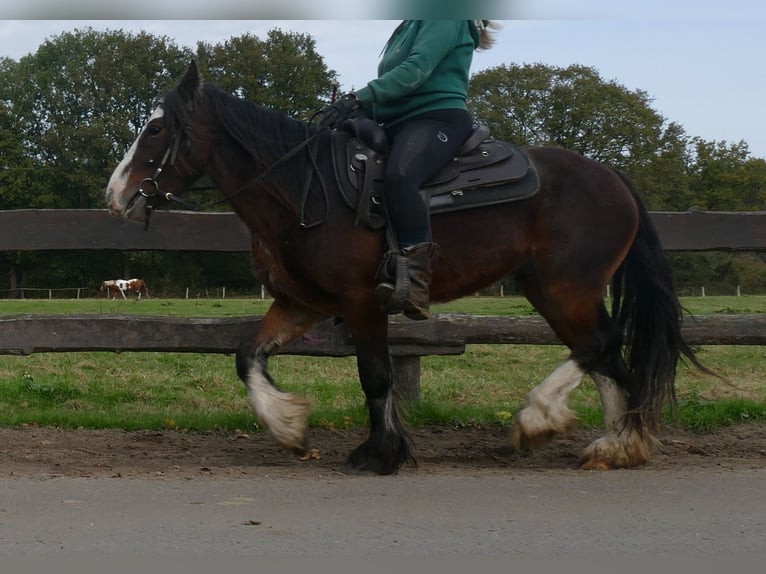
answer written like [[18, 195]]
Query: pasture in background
[[238, 306]]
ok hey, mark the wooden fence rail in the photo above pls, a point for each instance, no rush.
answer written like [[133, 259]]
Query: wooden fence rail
[[33, 230], [94, 229], [444, 333]]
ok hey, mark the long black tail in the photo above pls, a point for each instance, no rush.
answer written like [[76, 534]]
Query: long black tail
[[649, 313]]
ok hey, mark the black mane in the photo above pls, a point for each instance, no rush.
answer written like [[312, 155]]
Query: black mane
[[265, 134]]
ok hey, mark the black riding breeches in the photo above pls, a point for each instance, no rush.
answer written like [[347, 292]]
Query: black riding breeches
[[418, 148]]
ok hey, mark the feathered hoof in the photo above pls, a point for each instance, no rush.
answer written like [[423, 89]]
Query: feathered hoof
[[289, 424], [379, 457], [627, 449], [531, 429], [521, 440]]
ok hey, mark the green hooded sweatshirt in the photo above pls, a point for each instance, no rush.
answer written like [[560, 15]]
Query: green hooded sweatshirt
[[425, 67]]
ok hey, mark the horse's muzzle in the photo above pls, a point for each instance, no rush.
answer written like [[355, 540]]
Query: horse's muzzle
[[134, 210]]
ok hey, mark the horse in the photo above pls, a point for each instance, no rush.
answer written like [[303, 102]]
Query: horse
[[584, 229], [114, 286]]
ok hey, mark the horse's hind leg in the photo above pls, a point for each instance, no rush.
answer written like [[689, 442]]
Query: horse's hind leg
[[284, 414], [584, 325], [546, 411], [625, 444]]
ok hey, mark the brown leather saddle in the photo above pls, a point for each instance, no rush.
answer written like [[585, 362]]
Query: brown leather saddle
[[484, 172]]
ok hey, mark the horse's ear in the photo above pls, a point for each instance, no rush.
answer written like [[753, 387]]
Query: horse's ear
[[190, 83]]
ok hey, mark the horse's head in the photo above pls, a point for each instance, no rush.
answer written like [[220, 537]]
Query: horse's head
[[165, 159]]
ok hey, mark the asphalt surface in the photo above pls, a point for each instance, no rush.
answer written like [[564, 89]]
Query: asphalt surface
[[702, 512]]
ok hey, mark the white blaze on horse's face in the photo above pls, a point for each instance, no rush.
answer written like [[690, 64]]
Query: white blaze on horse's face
[[119, 193]]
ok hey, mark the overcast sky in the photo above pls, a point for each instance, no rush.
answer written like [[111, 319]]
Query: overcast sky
[[703, 66]]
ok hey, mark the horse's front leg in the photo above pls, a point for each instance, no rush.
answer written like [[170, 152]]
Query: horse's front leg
[[388, 445], [284, 414]]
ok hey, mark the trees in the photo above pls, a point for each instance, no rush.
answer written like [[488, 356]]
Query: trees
[[576, 109], [283, 72], [724, 177], [572, 107]]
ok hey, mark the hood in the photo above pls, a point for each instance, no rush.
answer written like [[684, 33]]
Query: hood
[[475, 33]]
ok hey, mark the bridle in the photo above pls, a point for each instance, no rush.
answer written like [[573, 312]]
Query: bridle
[[169, 157], [150, 196]]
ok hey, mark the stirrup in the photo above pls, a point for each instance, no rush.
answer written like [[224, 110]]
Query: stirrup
[[384, 295]]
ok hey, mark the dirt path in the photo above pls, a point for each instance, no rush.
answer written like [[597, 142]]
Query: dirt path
[[52, 452]]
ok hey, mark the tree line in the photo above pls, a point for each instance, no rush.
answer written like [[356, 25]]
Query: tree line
[[69, 111]]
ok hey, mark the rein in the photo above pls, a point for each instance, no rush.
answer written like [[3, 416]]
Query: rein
[[172, 152]]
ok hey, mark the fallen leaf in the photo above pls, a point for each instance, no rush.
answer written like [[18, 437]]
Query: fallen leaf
[[313, 453]]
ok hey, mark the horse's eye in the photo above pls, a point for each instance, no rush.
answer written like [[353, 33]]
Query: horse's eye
[[154, 130]]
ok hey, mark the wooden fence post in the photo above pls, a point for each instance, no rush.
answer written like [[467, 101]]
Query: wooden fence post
[[407, 376]]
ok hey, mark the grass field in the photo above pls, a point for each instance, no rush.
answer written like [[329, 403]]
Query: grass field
[[485, 385]]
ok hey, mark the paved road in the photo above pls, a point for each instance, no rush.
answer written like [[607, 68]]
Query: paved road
[[706, 512]]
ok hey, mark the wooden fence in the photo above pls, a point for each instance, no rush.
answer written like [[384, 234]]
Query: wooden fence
[[70, 229], [32, 230]]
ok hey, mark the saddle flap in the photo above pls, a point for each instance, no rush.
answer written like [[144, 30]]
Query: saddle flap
[[359, 173]]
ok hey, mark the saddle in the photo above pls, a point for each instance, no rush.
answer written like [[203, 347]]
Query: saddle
[[484, 172]]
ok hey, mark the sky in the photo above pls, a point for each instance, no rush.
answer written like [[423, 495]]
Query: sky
[[702, 63]]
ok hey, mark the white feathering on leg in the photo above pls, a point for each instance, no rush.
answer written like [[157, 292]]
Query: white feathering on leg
[[284, 414]]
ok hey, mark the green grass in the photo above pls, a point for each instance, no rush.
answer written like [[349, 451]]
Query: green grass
[[151, 306], [485, 385]]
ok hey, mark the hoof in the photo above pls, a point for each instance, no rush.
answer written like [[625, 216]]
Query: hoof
[[627, 449], [285, 415], [533, 429], [520, 440], [363, 461], [380, 457], [596, 465], [289, 425]]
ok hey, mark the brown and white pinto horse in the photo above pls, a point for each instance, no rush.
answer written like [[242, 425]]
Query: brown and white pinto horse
[[584, 228], [115, 286]]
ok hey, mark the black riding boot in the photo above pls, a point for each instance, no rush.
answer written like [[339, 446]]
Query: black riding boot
[[404, 281]]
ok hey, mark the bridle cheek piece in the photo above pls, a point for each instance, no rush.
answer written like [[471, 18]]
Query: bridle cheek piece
[[150, 196]]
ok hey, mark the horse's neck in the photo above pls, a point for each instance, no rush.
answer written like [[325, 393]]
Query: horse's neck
[[275, 161]]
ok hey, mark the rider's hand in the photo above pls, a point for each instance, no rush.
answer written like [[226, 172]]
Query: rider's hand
[[345, 107]]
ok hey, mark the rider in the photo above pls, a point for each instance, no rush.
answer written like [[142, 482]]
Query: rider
[[419, 97]]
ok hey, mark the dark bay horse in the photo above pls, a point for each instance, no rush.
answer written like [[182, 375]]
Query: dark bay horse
[[584, 228]]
